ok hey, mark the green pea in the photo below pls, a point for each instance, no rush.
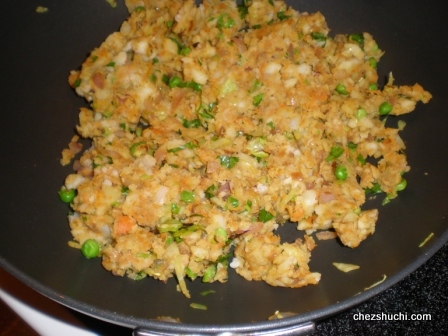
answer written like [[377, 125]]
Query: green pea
[[319, 37], [260, 154], [140, 275], [90, 248], [376, 189], [248, 206], [209, 273], [139, 9], [175, 209], [171, 225], [402, 185], [174, 81], [222, 233], [193, 85], [138, 149], [373, 62], [192, 275], [385, 108], [225, 21], [243, 10], [67, 195], [184, 51], [373, 86], [169, 240], [233, 201], [361, 113], [77, 83], [125, 190], [210, 192], [341, 89], [194, 123], [335, 152], [265, 216], [187, 196], [256, 100], [138, 131], [228, 161], [340, 173], [361, 159], [351, 145], [358, 38], [282, 16]]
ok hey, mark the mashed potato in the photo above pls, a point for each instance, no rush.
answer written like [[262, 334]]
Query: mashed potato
[[212, 125]]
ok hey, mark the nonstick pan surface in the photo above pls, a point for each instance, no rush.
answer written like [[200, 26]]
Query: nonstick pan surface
[[39, 111]]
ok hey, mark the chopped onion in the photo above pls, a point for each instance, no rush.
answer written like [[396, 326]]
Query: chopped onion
[[161, 194]]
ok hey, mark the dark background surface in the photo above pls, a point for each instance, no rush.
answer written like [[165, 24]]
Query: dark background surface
[[39, 112], [423, 292]]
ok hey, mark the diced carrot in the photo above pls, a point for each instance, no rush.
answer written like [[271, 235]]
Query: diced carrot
[[123, 225]]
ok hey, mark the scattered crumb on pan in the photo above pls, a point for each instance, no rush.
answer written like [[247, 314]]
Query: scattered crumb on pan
[[198, 306], [377, 283], [41, 9], [279, 315], [426, 239], [345, 267]]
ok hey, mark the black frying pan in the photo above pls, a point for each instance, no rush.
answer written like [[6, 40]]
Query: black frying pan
[[39, 111]]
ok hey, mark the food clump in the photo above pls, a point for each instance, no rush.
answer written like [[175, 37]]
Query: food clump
[[213, 125]]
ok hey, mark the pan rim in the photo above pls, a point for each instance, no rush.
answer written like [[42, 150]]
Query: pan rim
[[154, 325]]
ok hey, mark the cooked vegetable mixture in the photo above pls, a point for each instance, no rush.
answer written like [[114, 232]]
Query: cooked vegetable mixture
[[213, 125]]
